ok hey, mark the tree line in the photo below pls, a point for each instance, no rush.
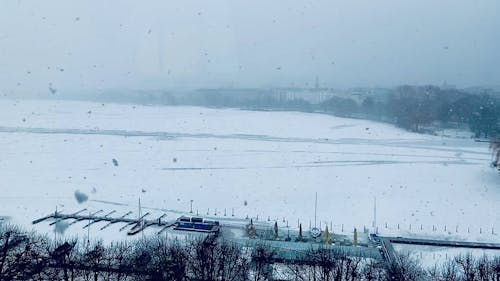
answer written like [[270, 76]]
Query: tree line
[[29, 256], [417, 107], [414, 108]]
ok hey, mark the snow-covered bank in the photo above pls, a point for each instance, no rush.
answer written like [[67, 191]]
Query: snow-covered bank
[[430, 256]]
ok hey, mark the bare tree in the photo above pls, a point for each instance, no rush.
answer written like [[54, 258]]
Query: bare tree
[[262, 259], [120, 253], [405, 268], [65, 258], [449, 271], [467, 266], [13, 258], [495, 267], [373, 270], [201, 260], [94, 258], [495, 148], [323, 264], [168, 259]]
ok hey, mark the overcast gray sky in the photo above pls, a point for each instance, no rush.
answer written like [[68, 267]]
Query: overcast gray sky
[[97, 45]]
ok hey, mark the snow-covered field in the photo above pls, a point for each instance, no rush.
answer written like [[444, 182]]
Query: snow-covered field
[[430, 256], [265, 164]]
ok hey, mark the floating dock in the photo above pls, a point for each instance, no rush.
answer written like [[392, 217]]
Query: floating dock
[[138, 224]]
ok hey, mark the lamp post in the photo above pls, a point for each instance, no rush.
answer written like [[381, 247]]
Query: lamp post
[[191, 206]]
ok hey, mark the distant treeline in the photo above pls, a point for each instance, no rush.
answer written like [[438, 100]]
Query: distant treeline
[[28, 256], [415, 108]]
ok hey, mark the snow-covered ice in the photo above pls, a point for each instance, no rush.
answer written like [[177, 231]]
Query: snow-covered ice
[[268, 164]]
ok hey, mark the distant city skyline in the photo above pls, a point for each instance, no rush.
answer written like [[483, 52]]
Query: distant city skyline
[[57, 47]]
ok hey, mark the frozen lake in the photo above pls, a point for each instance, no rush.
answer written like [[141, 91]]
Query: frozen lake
[[265, 164]]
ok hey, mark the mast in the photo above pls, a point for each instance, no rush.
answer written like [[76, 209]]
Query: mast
[[140, 222], [88, 232], [55, 229], [315, 208], [140, 211]]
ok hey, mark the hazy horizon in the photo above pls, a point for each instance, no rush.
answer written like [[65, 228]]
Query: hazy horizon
[[92, 46]]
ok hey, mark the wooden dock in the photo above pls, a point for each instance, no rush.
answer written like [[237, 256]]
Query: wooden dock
[[138, 224]]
